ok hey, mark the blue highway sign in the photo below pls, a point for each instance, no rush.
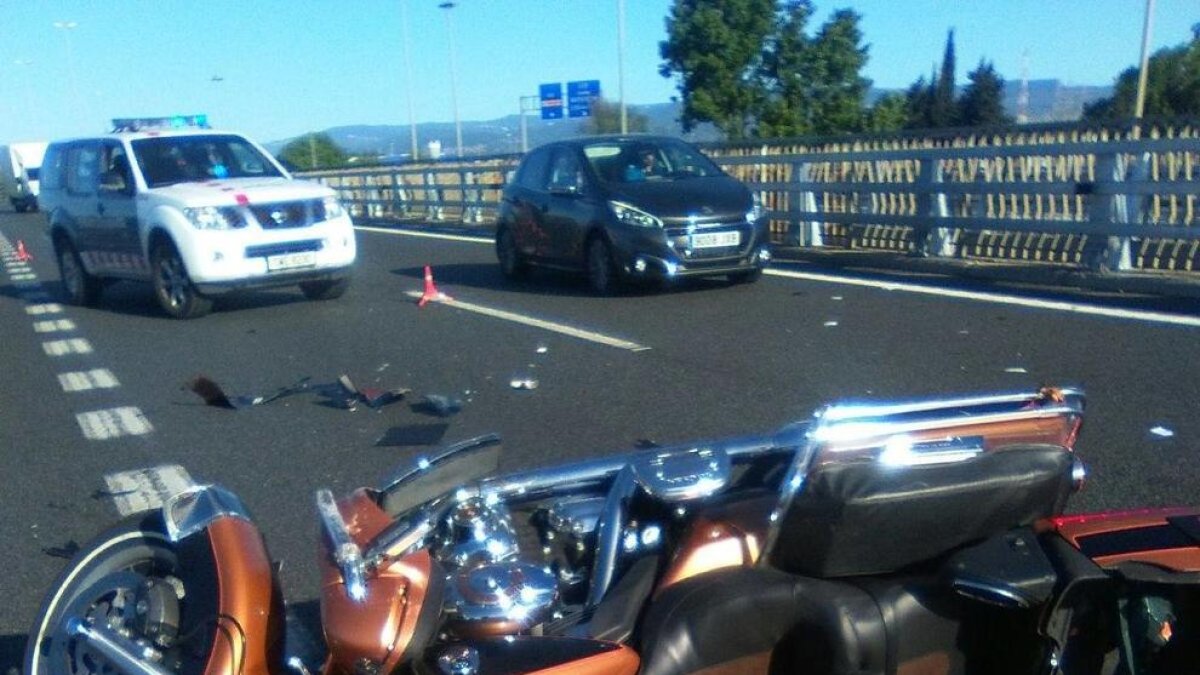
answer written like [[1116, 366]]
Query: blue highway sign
[[552, 100], [580, 96]]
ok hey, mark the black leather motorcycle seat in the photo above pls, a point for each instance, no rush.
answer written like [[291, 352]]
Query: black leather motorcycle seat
[[870, 518], [732, 620]]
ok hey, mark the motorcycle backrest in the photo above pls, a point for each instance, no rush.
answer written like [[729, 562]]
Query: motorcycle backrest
[[876, 488]]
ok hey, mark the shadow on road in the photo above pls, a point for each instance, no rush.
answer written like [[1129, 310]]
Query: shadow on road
[[137, 299], [12, 650]]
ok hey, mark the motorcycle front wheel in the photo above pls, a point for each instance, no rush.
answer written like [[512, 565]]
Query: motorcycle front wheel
[[124, 584]]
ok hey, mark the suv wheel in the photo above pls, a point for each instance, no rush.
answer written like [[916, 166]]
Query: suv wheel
[[512, 265], [325, 290], [80, 287], [174, 289], [601, 269]]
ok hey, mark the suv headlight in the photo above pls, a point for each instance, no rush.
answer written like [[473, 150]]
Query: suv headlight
[[631, 215], [757, 212], [331, 207], [215, 217]]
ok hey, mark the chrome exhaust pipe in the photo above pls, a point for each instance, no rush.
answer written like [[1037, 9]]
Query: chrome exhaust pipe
[[126, 655]]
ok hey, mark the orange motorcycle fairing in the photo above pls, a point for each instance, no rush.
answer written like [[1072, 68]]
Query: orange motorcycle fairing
[[1168, 538], [251, 611]]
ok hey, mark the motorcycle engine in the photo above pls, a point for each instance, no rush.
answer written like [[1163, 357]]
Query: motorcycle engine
[[489, 591]]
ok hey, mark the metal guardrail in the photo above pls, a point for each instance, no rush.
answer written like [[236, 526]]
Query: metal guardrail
[[1101, 199]]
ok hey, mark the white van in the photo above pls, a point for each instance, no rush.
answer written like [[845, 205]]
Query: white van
[[20, 164], [194, 211]]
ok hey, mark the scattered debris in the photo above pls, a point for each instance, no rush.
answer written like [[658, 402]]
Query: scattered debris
[[542, 349], [215, 396], [111, 494], [523, 382], [835, 297], [646, 444], [439, 405], [413, 434], [964, 332], [831, 324], [67, 550], [1161, 432], [1016, 369], [374, 397], [382, 368]]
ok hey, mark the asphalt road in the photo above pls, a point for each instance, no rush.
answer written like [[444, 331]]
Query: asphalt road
[[722, 360]]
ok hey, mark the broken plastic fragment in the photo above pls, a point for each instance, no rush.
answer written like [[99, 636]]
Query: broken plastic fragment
[[1162, 432], [830, 324], [214, 395], [1015, 369], [374, 397], [67, 550], [436, 404], [542, 349], [523, 382]]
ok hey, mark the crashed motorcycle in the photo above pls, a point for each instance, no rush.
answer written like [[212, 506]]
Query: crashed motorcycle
[[900, 538]]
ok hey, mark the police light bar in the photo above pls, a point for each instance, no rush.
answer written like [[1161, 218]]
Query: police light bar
[[172, 122]]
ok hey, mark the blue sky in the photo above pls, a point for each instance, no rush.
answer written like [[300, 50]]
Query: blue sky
[[290, 66]]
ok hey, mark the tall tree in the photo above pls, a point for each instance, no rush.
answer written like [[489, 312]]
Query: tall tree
[[982, 102], [787, 75], [941, 107], [890, 113], [714, 50], [838, 59], [606, 119], [1172, 86], [312, 151], [918, 100]]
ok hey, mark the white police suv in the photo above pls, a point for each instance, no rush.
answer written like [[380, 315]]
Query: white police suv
[[196, 212]]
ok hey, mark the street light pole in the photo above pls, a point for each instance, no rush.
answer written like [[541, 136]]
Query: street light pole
[[453, 76], [527, 104], [621, 64], [1140, 104], [412, 116]]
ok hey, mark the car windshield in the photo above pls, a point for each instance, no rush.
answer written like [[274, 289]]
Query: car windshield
[[634, 161], [168, 160]]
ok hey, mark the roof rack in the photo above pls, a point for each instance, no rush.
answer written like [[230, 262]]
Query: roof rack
[[121, 124]]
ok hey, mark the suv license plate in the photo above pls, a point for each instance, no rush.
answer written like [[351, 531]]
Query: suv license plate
[[291, 261], [716, 239]]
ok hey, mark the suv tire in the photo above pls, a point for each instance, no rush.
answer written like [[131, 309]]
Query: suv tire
[[173, 287], [81, 288], [325, 290]]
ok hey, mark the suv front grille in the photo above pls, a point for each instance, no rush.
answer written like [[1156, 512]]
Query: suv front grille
[[281, 215], [303, 246]]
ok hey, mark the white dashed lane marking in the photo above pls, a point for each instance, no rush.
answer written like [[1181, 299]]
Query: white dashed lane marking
[[146, 489], [100, 378], [58, 326], [101, 425], [65, 347], [48, 308]]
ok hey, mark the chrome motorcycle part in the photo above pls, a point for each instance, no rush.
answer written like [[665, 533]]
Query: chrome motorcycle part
[[198, 507], [476, 532], [345, 552], [683, 475], [422, 464], [127, 656], [571, 525], [609, 532], [458, 660], [499, 599]]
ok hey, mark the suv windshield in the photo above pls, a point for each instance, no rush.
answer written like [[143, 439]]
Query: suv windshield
[[632, 161], [182, 159]]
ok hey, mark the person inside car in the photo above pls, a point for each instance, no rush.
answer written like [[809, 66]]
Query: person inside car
[[646, 167]]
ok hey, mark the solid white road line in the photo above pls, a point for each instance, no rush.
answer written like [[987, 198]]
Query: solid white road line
[[997, 298], [590, 336], [53, 326], [65, 347], [48, 308], [427, 235], [146, 489], [101, 425], [99, 378], [23, 277]]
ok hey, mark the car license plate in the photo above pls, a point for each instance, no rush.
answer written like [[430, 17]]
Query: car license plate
[[291, 261], [716, 239]]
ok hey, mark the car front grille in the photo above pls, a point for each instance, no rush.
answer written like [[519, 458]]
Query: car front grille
[[682, 242], [283, 215]]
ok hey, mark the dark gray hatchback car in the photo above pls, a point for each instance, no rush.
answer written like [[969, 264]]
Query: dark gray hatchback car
[[629, 207]]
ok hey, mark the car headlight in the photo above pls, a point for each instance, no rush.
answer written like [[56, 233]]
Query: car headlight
[[332, 208], [757, 212], [215, 217], [631, 215]]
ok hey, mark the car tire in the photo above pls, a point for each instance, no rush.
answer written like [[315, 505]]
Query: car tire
[[602, 270], [747, 277], [19, 206], [512, 264], [79, 287], [173, 287], [325, 290]]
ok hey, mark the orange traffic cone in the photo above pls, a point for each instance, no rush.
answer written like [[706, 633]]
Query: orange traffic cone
[[431, 294], [22, 254]]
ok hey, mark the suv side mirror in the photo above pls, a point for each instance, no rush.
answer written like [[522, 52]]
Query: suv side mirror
[[115, 183]]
